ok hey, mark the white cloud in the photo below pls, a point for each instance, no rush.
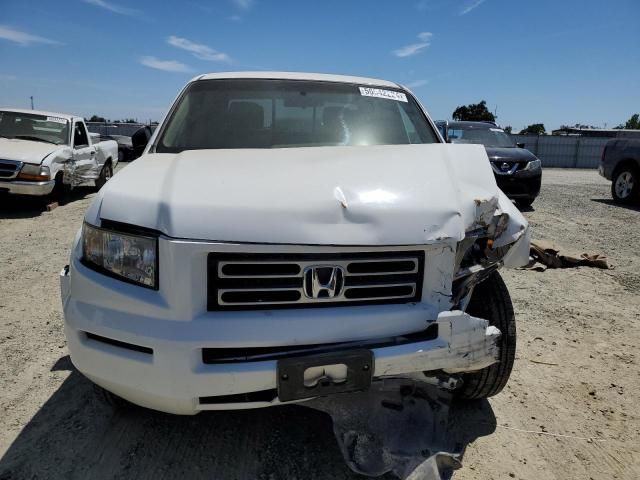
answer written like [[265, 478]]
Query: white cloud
[[470, 5], [415, 48], [235, 18], [165, 65], [112, 7], [409, 50], [23, 39], [5, 76], [417, 83], [243, 4], [198, 50]]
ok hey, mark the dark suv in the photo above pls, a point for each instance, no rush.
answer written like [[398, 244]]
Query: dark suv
[[518, 172]]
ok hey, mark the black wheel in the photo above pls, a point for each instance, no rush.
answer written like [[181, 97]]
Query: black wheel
[[625, 186], [60, 190], [491, 300], [524, 203], [111, 399], [105, 174]]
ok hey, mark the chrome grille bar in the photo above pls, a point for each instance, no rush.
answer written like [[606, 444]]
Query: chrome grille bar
[[250, 281]]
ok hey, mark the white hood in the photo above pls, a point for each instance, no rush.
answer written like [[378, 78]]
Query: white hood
[[379, 195], [26, 150]]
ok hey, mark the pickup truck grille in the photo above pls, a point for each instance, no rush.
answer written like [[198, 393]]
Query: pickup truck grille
[[292, 280], [9, 168]]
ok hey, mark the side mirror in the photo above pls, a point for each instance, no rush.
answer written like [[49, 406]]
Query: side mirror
[[520, 145], [443, 128], [140, 139]]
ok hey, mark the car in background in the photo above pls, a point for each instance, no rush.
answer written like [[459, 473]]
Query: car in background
[[125, 147], [43, 153], [620, 163], [518, 172]]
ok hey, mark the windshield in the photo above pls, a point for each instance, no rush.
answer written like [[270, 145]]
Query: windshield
[[39, 128], [489, 137], [215, 114]]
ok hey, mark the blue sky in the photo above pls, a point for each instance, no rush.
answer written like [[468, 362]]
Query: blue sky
[[548, 61]]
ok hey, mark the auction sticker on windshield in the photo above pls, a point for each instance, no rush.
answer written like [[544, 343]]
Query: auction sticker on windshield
[[380, 93], [56, 120]]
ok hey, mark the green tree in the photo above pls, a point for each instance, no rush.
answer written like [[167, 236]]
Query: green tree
[[96, 118], [508, 129], [534, 129], [633, 123], [473, 112]]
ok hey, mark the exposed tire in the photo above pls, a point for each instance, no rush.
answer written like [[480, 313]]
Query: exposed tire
[[105, 175], [60, 190], [625, 187], [111, 399], [491, 300]]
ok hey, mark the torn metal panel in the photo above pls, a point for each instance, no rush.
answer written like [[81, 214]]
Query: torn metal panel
[[79, 172]]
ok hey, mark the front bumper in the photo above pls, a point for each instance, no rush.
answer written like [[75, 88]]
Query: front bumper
[[28, 188], [168, 373], [520, 185]]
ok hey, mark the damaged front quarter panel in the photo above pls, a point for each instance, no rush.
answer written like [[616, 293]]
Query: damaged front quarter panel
[[498, 237]]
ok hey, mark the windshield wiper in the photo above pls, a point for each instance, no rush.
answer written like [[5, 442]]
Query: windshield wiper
[[35, 139]]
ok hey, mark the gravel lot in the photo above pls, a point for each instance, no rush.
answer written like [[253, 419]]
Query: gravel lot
[[569, 411]]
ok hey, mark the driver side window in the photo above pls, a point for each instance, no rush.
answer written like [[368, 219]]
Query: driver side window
[[80, 138]]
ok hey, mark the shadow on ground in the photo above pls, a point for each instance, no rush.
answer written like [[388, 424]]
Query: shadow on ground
[[73, 435], [526, 208], [25, 206], [608, 201]]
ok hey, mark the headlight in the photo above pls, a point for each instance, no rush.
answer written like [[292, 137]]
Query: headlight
[[132, 258], [35, 173], [533, 165]]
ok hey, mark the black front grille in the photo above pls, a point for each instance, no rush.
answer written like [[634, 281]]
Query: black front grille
[[261, 354], [269, 281], [9, 168], [507, 167], [260, 396]]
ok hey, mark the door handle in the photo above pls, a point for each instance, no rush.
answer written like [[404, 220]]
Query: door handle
[[92, 153]]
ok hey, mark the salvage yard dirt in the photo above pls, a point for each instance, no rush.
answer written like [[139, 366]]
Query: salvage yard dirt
[[571, 409]]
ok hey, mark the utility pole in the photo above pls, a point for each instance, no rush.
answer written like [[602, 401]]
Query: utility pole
[[31, 97]]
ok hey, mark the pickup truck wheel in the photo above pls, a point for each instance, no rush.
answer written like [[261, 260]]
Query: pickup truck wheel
[[625, 186], [60, 189], [111, 399], [105, 174], [491, 300]]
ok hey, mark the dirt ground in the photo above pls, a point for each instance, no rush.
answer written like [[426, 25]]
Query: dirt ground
[[571, 409]]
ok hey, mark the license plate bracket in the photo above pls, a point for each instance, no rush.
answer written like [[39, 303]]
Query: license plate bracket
[[291, 372]]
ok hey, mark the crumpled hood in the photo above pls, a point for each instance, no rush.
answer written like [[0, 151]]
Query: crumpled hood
[[26, 150], [378, 195], [513, 154]]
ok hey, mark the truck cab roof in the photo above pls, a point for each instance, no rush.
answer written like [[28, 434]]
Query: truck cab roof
[[322, 77], [42, 112]]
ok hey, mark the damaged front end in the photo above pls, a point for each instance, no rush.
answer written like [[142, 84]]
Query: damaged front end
[[499, 237]]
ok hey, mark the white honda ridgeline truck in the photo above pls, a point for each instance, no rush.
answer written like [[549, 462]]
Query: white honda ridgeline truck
[[286, 236], [43, 153]]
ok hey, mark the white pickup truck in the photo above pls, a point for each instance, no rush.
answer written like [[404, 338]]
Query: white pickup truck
[[287, 236], [41, 152]]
